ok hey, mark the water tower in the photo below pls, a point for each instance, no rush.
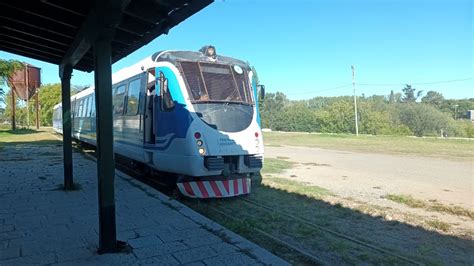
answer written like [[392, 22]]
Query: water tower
[[25, 83]]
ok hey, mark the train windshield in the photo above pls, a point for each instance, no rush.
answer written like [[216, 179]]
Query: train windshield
[[211, 82]]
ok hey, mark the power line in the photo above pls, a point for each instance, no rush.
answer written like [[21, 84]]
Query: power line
[[416, 83], [380, 84], [327, 89]]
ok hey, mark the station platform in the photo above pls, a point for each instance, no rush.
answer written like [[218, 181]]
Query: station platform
[[42, 224]]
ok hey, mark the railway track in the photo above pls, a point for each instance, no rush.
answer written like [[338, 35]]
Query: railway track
[[330, 231], [304, 256]]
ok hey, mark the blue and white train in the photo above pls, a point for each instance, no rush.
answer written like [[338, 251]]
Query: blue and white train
[[193, 114]]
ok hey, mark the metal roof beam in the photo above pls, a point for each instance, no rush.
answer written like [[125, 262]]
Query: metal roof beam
[[175, 17], [103, 18]]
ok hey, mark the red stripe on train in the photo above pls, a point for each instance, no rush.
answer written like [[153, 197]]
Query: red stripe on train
[[188, 189], [216, 190], [226, 186], [236, 187], [202, 188]]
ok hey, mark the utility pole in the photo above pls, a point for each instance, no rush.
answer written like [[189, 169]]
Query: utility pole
[[37, 109], [13, 108], [456, 111], [27, 97], [355, 100]]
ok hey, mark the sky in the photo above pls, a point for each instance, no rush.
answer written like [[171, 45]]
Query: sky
[[306, 48]]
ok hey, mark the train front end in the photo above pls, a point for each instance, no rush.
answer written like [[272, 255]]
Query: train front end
[[223, 145]]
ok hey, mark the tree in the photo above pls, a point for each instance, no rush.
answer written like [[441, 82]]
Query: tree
[[49, 96], [394, 97], [433, 98], [7, 68], [409, 94], [271, 107], [2, 95], [425, 120]]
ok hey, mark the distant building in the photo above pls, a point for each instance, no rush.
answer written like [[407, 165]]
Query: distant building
[[470, 115]]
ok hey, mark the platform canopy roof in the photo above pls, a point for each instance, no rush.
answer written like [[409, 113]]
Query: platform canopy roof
[[62, 32]]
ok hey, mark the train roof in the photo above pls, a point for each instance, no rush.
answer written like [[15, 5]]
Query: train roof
[[173, 57], [163, 56]]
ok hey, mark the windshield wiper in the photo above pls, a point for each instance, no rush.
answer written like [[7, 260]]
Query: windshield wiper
[[222, 102]]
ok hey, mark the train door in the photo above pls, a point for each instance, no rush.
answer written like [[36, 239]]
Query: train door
[[150, 94]]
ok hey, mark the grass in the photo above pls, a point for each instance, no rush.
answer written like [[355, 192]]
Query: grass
[[454, 149], [407, 200], [276, 166], [300, 188], [439, 225], [23, 135], [412, 202]]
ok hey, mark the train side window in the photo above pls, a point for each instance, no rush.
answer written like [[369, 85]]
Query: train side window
[[133, 97], [76, 108], [86, 107], [79, 110], [118, 101], [167, 103], [93, 105]]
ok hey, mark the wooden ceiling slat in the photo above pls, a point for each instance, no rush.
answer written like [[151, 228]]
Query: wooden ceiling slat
[[31, 49], [152, 13], [12, 22], [35, 31], [33, 55], [176, 17], [17, 15], [29, 36], [36, 8], [46, 29], [16, 39], [79, 8]]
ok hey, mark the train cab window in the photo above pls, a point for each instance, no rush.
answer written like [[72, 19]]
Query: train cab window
[[118, 101], [167, 103], [133, 97]]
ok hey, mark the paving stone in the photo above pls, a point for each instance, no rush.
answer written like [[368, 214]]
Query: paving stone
[[230, 259], [75, 254], [42, 225], [195, 254], [159, 260], [202, 241], [9, 253], [196, 263], [224, 248], [161, 249], [7, 228], [145, 241]]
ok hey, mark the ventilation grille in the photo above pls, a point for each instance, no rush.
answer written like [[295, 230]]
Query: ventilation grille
[[214, 163], [253, 161]]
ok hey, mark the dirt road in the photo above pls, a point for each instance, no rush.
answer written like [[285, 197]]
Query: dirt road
[[371, 176]]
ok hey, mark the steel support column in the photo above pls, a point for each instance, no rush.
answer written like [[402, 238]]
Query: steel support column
[[105, 145], [67, 142]]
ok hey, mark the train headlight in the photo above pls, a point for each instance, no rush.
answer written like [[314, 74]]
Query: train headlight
[[257, 142], [199, 142], [202, 151]]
